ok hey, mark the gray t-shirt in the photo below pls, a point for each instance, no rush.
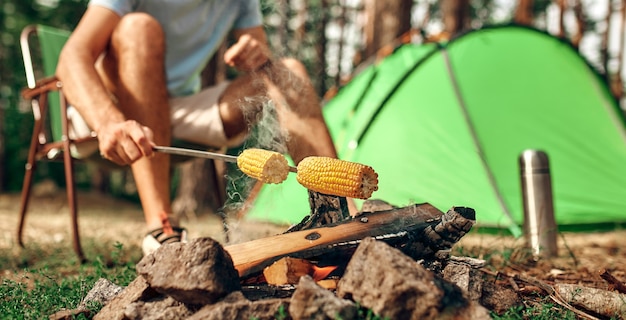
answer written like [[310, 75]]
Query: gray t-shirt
[[194, 29]]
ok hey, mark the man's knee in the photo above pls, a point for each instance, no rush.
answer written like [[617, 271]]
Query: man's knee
[[138, 31]]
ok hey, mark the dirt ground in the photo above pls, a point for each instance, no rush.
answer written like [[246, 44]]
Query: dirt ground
[[104, 217], [582, 256]]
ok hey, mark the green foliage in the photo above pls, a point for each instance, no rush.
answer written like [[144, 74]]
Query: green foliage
[[282, 314], [16, 124]]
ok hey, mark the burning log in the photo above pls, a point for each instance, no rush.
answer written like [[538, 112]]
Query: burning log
[[417, 230], [287, 271]]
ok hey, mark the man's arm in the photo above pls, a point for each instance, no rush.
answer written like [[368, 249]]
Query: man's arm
[[250, 51], [120, 140]]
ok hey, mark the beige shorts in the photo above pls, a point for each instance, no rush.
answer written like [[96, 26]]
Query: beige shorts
[[195, 119]]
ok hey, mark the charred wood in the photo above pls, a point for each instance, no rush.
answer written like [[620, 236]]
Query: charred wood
[[325, 210]]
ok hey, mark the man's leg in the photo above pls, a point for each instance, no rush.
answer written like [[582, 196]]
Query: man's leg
[[133, 69]]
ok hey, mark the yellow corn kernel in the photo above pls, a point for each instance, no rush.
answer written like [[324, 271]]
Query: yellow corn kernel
[[264, 165], [337, 177]]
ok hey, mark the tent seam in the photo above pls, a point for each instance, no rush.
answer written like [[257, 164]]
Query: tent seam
[[514, 228]]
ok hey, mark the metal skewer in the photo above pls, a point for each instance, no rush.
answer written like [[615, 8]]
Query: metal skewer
[[202, 154]]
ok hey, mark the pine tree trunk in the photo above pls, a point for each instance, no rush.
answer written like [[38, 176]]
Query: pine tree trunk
[[386, 21], [2, 154], [580, 24], [562, 4], [456, 16], [524, 12], [617, 85], [604, 44]]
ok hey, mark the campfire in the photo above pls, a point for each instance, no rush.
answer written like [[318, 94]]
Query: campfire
[[389, 260], [386, 259], [394, 262]]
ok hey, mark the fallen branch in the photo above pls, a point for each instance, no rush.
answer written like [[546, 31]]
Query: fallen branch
[[555, 295], [602, 302], [608, 277]]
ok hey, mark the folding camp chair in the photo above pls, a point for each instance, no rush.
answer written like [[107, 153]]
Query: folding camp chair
[[51, 139]]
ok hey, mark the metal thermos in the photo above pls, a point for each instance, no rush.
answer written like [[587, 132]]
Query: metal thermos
[[540, 227]]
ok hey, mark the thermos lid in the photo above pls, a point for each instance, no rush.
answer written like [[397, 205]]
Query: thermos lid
[[534, 161]]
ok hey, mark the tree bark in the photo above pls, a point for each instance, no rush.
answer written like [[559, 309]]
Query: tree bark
[[580, 24], [386, 21], [456, 16], [2, 153], [617, 85], [320, 49], [524, 12], [604, 44], [562, 4]]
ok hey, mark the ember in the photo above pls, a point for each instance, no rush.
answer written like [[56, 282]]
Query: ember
[[320, 273]]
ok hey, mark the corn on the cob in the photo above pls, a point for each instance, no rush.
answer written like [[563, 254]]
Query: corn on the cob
[[263, 165], [337, 177]]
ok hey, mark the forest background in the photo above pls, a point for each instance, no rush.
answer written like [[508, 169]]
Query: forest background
[[334, 38]]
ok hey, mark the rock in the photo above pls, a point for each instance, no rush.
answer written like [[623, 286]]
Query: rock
[[394, 286], [136, 291], [160, 308], [465, 277], [102, 292], [312, 302], [196, 273], [498, 298], [236, 307]]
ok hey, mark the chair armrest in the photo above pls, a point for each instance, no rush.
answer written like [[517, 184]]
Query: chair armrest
[[44, 85]]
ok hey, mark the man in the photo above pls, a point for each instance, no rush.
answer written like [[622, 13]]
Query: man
[[131, 69]]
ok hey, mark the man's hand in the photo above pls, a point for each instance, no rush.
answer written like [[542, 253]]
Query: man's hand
[[125, 142], [248, 54]]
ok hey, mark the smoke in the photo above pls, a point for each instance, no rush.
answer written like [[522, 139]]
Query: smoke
[[278, 86], [265, 132]]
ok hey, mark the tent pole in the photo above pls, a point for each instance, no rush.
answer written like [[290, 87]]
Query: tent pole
[[514, 228]]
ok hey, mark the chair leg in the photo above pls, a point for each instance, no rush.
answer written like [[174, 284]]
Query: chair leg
[[26, 188], [68, 163], [31, 164]]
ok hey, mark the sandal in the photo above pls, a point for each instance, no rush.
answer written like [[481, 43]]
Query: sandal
[[155, 238]]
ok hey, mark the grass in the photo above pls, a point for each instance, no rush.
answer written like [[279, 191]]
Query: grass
[[545, 310], [43, 279], [39, 281]]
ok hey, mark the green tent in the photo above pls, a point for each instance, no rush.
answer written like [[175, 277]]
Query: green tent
[[446, 124]]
